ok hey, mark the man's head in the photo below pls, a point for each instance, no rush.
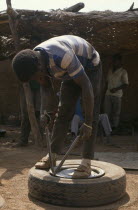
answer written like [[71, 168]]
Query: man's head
[[25, 64], [117, 60]]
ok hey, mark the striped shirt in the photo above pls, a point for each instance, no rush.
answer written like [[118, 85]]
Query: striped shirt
[[68, 55]]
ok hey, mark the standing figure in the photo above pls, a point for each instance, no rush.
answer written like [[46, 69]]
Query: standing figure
[[117, 81], [25, 122]]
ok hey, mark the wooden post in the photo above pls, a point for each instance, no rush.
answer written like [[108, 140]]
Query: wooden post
[[75, 8], [13, 22]]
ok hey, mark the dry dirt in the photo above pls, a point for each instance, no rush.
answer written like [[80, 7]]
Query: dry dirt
[[16, 162]]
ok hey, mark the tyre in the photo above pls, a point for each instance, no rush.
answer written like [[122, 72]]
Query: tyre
[[78, 192]]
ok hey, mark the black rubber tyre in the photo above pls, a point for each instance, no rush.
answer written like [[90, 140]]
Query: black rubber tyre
[[78, 192]]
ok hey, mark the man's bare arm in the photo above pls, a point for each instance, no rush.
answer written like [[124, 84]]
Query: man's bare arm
[[121, 87], [87, 97]]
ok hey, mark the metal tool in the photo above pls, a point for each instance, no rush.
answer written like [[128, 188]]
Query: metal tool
[[54, 171], [66, 155], [48, 139]]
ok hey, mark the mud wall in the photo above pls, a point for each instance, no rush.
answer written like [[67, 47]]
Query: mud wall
[[9, 91]]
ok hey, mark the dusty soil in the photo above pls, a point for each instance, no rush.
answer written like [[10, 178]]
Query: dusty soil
[[16, 162]]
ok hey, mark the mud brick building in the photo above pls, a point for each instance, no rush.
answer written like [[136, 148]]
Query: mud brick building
[[109, 32]]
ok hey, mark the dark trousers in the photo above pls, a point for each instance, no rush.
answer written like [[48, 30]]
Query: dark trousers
[[112, 107], [70, 93], [25, 122]]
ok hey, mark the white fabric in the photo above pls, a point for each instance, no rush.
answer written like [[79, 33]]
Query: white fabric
[[116, 79], [103, 118], [75, 123]]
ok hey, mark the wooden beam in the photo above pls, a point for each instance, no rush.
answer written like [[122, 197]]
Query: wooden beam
[[75, 8]]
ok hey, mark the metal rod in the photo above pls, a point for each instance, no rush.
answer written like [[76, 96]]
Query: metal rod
[[48, 140], [66, 155]]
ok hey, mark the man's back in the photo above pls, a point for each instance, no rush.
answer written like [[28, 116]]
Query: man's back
[[68, 42], [67, 55]]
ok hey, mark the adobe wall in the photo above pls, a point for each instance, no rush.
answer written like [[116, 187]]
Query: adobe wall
[[9, 90], [130, 99]]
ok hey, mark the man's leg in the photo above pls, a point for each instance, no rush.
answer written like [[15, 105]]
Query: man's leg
[[25, 130], [116, 111], [84, 169], [105, 124], [108, 107], [69, 95], [25, 124], [37, 103]]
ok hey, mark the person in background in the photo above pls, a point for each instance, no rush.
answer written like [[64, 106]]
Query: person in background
[[25, 122], [35, 89], [117, 81]]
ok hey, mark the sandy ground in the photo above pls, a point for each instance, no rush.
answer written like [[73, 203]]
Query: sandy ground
[[16, 162]]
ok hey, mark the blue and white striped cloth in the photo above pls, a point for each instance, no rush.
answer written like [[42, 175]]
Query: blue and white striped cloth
[[68, 55]]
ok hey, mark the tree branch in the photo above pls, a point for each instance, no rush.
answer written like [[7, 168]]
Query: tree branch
[[131, 8]]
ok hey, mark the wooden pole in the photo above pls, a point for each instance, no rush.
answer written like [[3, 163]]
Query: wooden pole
[[13, 23], [75, 8]]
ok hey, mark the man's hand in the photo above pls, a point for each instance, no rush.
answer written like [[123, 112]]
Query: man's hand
[[121, 87], [113, 90], [44, 120], [85, 131]]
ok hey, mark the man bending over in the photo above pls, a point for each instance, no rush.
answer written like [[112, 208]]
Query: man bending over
[[76, 62]]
